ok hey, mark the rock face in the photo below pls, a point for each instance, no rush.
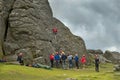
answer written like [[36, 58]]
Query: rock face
[[5, 8], [112, 56], [26, 26], [95, 51], [1, 36]]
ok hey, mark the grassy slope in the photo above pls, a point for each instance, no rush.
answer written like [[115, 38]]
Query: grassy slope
[[16, 72]]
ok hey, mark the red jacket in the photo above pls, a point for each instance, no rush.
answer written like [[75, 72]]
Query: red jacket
[[51, 57], [54, 30], [83, 60]]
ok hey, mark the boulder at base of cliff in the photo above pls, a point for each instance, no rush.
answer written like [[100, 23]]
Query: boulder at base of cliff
[[116, 67], [112, 56]]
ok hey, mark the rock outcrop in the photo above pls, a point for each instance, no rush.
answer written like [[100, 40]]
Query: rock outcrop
[[26, 26], [100, 54], [116, 67], [5, 8], [95, 51], [112, 56], [101, 58]]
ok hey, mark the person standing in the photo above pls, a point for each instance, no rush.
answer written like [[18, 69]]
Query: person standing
[[51, 59], [96, 63], [57, 59], [83, 61], [63, 57], [70, 58], [20, 58], [76, 58]]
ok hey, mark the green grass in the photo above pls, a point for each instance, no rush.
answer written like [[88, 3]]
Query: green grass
[[17, 72]]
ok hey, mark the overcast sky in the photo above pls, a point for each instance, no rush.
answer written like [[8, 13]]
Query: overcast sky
[[96, 21]]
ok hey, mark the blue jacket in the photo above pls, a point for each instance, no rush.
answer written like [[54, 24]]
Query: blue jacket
[[76, 58], [57, 57]]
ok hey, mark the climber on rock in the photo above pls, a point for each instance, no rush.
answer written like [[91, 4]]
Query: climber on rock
[[55, 31]]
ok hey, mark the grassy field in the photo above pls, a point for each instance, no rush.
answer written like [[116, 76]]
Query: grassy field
[[17, 72]]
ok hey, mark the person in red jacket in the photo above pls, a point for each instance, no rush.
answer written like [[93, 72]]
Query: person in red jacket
[[55, 30], [51, 59], [83, 61]]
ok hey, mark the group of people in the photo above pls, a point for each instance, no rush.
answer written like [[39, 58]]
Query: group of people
[[60, 59], [66, 61]]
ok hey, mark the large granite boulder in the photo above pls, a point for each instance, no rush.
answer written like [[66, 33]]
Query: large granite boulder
[[112, 56], [28, 29]]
